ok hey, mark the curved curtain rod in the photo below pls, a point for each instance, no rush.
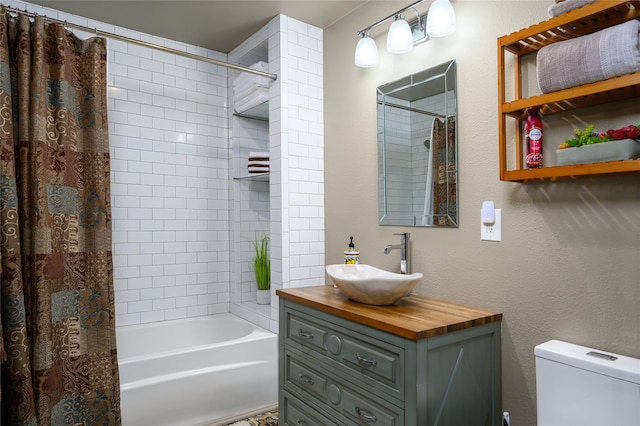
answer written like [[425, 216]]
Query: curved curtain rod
[[410, 109], [146, 44]]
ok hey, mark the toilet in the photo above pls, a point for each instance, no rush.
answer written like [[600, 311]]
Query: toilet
[[580, 386]]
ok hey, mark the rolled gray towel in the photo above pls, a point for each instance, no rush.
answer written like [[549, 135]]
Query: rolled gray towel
[[564, 6], [604, 54]]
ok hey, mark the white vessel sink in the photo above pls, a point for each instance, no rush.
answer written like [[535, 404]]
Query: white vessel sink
[[373, 286]]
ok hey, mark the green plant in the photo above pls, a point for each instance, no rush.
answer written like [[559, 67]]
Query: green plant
[[589, 137], [261, 263]]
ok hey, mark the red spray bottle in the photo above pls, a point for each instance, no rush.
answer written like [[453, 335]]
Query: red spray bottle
[[533, 138]]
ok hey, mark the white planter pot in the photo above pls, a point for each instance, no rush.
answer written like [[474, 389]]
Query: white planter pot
[[264, 297], [605, 151]]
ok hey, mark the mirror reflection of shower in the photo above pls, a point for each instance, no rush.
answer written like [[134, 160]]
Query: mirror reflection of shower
[[417, 149]]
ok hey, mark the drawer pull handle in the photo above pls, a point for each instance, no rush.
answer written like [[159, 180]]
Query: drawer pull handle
[[306, 380], [366, 362], [305, 334], [368, 417]]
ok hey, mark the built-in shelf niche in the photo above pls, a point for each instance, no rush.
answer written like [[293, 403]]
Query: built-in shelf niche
[[259, 177], [258, 112]]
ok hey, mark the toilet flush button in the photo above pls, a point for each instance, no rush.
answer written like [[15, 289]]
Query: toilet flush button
[[602, 356]]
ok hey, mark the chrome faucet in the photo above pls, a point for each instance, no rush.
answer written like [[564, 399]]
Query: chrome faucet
[[404, 251]]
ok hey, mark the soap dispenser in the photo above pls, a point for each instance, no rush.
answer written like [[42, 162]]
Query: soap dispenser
[[351, 255]]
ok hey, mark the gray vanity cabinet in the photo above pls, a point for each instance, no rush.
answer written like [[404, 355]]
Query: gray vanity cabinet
[[419, 362]]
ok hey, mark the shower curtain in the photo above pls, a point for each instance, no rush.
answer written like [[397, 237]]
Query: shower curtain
[[57, 347], [445, 173]]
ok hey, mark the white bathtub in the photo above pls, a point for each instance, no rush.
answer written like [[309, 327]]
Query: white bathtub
[[197, 370]]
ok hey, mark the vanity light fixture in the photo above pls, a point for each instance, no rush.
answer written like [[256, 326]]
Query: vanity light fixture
[[400, 36], [366, 51], [440, 21]]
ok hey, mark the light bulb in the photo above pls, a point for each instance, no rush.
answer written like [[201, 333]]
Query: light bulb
[[366, 52], [399, 38], [441, 19]]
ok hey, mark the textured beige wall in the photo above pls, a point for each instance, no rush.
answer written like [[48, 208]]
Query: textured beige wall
[[568, 266]]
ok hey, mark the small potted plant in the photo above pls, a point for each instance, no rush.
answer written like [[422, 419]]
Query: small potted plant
[[593, 147], [262, 269]]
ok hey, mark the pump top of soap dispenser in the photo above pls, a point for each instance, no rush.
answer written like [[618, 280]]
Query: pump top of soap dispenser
[[351, 255]]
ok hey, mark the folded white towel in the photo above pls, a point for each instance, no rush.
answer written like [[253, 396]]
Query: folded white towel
[[258, 154], [258, 169], [257, 98], [604, 54], [245, 79], [258, 66], [257, 163], [239, 95], [560, 7], [250, 80], [250, 94]]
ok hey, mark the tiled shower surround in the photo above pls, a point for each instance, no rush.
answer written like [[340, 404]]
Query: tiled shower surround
[[170, 192], [171, 187], [405, 136]]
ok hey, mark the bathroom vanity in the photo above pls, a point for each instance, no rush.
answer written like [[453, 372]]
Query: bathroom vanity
[[419, 362]]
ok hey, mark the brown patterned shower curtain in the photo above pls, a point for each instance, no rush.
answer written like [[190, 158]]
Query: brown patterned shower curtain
[[444, 171], [57, 346]]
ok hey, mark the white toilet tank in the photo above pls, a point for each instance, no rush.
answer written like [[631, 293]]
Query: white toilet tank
[[580, 386]]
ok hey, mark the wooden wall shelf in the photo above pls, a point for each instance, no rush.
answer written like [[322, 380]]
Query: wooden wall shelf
[[576, 23]]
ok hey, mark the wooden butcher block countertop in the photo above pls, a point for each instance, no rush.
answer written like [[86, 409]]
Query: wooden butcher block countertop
[[414, 317]]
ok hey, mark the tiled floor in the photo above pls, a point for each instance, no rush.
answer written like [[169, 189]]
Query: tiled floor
[[267, 419]]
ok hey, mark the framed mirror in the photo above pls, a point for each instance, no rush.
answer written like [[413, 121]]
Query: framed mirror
[[417, 149]]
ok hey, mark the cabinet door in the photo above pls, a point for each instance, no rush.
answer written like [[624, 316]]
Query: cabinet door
[[463, 375]]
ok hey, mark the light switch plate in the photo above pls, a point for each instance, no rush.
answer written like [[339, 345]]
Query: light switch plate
[[492, 231]]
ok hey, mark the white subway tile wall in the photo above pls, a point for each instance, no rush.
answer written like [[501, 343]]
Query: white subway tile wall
[[290, 207], [169, 139], [169, 170], [171, 173], [299, 208], [170, 159]]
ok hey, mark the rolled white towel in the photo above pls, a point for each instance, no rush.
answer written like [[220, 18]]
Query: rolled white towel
[[251, 163], [608, 53], [258, 154]]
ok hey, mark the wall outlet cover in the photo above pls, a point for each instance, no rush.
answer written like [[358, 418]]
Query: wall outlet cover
[[492, 231]]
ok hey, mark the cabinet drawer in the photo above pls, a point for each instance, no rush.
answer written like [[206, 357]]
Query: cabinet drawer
[[345, 399], [296, 413], [375, 359], [306, 379], [364, 412], [307, 333]]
